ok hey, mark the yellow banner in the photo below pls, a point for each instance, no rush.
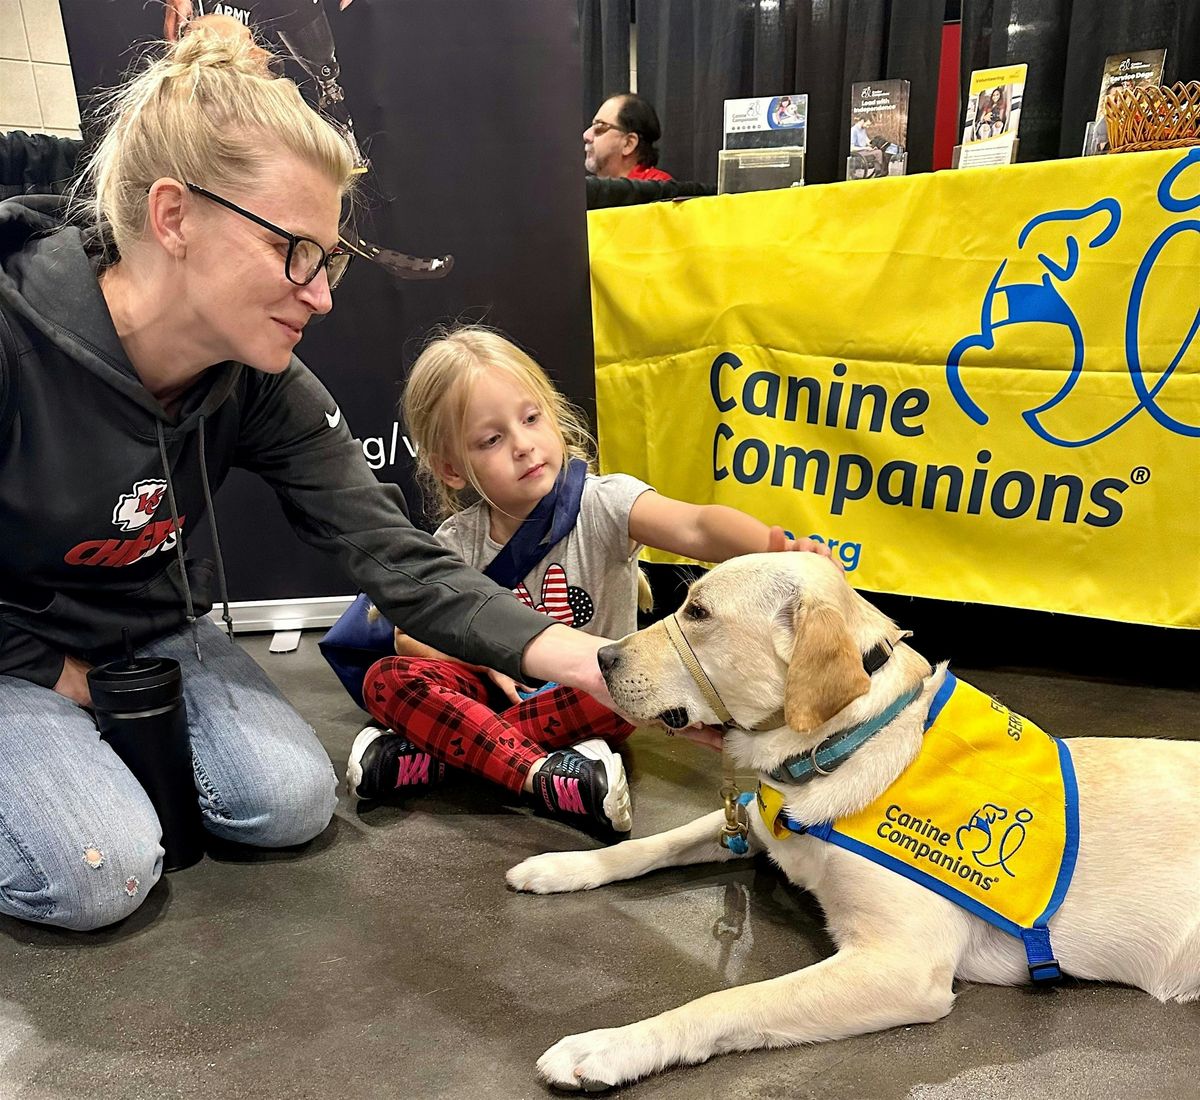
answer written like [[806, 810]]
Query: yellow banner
[[980, 385]]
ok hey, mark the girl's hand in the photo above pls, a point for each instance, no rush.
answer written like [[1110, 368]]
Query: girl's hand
[[506, 684], [778, 541]]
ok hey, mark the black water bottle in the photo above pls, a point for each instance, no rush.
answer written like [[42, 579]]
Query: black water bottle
[[141, 713]]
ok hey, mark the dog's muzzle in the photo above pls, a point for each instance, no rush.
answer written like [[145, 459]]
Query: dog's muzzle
[[692, 663], [676, 718]]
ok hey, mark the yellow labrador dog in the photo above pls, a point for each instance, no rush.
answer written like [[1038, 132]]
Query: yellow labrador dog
[[782, 640]]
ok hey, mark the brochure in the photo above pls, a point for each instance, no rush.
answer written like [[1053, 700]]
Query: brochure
[[1121, 70], [767, 122], [878, 129], [993, 113]]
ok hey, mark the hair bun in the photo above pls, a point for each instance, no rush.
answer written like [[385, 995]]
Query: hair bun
[[220, 40]]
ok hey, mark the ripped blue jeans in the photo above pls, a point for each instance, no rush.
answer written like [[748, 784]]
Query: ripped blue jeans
[[79, 839]]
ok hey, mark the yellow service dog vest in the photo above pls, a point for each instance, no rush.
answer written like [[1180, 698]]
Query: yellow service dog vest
[[987, 815]]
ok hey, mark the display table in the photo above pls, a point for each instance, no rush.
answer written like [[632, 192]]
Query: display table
[[980, 385]]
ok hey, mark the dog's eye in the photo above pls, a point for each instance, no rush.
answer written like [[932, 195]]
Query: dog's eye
[[696, 612]]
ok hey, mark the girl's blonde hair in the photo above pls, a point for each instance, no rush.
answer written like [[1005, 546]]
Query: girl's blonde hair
[[439, 388], [209, 111]]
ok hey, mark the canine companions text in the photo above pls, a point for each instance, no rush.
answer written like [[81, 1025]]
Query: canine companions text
[[821, 696]]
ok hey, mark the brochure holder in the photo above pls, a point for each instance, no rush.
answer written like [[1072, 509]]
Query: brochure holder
[[742, 170], [985, 154]]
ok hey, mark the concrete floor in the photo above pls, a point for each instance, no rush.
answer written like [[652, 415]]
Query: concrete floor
[[387, 958]]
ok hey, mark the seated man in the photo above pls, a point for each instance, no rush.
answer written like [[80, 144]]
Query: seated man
[[860, 146], [620, 141]]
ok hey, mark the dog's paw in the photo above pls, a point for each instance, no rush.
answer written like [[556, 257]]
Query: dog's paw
[[599, 1060], [558, 873]]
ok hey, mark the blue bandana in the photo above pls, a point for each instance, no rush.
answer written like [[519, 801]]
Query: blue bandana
[[547, 525]]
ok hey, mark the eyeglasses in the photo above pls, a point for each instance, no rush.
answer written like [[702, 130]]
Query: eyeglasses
[[599, 126], [305, 257]]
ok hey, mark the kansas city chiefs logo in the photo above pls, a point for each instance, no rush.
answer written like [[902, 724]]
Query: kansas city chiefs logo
[[134, 510], [134, 513]]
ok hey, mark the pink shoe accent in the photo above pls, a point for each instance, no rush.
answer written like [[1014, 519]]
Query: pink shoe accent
[[413, 770], [567, 793]]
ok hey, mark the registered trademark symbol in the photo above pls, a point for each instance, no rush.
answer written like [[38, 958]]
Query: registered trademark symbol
[[1140, 475]]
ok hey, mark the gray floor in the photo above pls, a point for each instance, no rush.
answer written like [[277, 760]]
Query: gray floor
[[387, 959]]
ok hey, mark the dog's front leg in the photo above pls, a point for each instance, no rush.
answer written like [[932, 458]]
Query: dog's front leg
[[855, 991], [560, 872]]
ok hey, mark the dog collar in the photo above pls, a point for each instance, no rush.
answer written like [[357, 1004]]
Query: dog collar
[[835, 750]]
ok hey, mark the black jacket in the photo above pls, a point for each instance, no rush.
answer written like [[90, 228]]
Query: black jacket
[[36, 164], [87, 530]]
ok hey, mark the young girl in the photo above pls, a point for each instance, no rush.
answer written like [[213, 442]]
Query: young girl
[[488, 422]]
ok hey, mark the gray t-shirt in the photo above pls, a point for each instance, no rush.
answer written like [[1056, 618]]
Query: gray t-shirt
[[589, 579]]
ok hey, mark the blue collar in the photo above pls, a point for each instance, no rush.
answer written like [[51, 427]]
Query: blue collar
[[834, 751]]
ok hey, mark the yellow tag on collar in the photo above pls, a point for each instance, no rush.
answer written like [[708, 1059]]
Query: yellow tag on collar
[[770, 806]]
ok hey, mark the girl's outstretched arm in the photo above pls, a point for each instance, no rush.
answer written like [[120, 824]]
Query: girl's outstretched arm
[[707, 532]]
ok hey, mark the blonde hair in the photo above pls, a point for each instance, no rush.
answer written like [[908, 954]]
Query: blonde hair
[[438, 391], [208, 111]]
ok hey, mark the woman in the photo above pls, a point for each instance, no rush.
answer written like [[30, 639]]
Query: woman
[[139, 362]]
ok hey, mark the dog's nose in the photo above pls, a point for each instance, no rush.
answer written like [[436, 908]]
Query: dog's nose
[[609, 657]]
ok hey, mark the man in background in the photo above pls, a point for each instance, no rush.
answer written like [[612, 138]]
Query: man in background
[[620, 142]]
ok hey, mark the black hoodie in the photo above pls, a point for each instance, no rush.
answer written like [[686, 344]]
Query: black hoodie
[[89, 463]]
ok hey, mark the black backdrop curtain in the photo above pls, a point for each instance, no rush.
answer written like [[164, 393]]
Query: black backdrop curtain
[[694, 54], [1065, 42], [604, 39]]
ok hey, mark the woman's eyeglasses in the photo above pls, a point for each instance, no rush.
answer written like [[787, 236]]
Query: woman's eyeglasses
[[305, 257]]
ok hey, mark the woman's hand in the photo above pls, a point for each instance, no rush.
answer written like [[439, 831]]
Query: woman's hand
[[72, 682], [568, 656]]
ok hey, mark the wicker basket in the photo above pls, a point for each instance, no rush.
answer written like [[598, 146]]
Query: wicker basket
[[1153, 118]]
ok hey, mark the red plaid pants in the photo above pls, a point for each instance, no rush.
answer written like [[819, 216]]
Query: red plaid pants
[[449, 710]]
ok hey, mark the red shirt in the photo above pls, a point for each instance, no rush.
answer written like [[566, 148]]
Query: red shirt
[[641, 172]]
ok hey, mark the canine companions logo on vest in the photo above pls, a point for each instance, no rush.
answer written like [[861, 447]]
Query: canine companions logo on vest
[[986, 815]]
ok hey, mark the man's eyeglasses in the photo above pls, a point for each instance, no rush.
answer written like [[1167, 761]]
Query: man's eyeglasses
[[305, 257], [601, 127]]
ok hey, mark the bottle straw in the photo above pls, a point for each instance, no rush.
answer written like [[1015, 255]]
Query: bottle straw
[[125, 637]]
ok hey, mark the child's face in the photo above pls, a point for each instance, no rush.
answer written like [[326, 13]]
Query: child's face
[[511, 445]]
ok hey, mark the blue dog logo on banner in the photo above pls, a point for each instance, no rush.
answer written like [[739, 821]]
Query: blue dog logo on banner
[[1043, 302]]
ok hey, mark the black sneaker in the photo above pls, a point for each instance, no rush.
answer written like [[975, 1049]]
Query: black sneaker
[[382, 763], [585, 784]]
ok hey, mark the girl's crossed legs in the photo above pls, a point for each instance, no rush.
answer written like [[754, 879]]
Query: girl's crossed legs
[[554, 738]]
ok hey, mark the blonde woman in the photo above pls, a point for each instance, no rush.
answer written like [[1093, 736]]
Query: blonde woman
[[141, 358]]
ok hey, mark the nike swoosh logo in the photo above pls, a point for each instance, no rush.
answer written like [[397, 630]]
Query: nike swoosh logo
[[334, 418]]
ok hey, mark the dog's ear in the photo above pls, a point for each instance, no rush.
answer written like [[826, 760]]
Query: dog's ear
[[825, 673]]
